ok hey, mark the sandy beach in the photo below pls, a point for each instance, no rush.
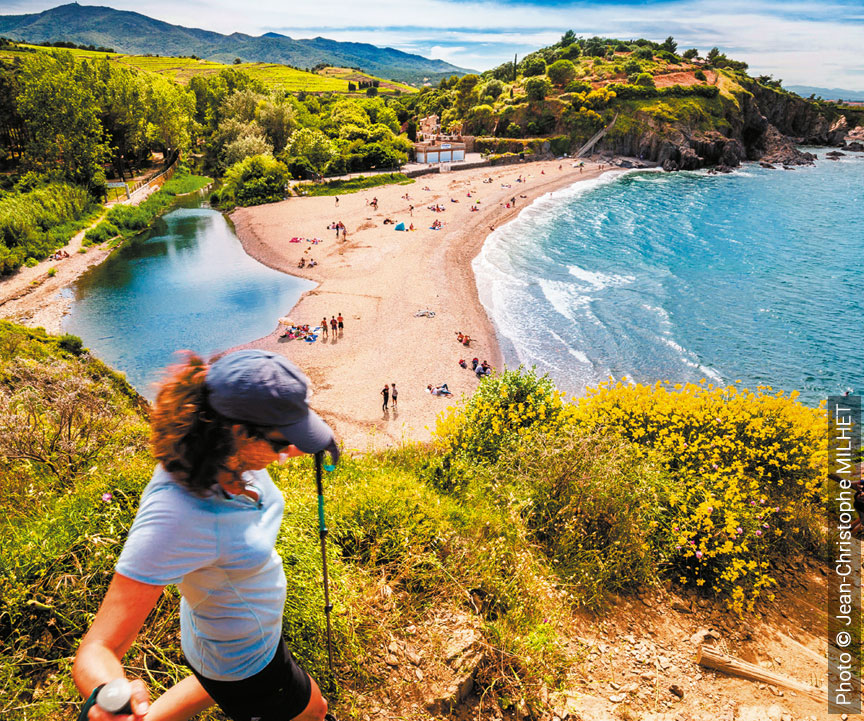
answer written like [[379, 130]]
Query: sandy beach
[[379, 278]]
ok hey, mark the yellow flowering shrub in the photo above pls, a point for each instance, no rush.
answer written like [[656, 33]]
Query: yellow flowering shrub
[[740, 478], [504, 407], [748, 468]]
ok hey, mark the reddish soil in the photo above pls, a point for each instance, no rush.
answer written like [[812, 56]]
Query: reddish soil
[[683, 78]]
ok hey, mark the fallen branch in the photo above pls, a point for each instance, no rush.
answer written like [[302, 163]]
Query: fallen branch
[[712, 658]]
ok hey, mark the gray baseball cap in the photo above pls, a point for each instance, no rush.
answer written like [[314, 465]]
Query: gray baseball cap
[[266, 389]]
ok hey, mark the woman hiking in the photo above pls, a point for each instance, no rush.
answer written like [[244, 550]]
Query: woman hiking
[[208, 522]]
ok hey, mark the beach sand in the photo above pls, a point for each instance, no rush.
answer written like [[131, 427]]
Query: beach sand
[[379, 278]]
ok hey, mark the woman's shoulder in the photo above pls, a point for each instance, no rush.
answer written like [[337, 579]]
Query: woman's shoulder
[[165, 490]]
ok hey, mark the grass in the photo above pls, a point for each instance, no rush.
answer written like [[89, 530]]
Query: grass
[[352, 185], [125, 221]]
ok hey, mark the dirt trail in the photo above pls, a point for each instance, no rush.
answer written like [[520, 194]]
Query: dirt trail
[[637, 662]]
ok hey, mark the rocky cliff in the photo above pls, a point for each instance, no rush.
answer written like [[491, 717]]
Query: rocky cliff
[[753, 123]]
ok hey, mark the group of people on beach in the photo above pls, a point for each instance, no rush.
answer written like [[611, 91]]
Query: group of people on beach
[[389, 394], [463, 338], [480, 369], [59, 255], [339, 227], [336, 323], [311, 263]]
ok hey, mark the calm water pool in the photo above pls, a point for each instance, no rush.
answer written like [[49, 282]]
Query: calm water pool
[[187, 283]]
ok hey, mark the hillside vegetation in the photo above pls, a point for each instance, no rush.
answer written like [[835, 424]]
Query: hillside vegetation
[[525, 509], [273, 76], [136, 34], [667, 106]]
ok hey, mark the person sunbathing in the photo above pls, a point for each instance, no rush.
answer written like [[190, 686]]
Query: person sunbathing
[[459, 336], [441, 390], [466, 340]]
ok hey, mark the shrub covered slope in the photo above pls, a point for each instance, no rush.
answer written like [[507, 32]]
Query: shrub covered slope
[[527, 508]]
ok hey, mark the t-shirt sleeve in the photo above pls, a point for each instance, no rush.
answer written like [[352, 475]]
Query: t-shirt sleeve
[[167, 541]]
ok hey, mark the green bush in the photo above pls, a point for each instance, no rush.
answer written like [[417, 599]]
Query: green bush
[[102, 232], [699, 75], [533, 65], [536, 89], [578, 86], [645, 80], [71, 343], [561, 72], [582, 506], [255, 180], [35, 223], [31, 262]]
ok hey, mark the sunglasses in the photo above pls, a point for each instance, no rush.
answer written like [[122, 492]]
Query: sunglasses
[[279, 445]]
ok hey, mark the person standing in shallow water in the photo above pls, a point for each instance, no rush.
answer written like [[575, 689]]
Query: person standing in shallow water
[[208, 522], [385, 393]]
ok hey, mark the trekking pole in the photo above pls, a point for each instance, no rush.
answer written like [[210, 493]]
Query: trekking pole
[[322, 531]]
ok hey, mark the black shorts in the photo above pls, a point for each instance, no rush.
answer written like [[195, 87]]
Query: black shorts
[[279, 692]]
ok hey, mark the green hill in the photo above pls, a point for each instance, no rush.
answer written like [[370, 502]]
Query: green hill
[[136, 34], [270, 75], [676, 109]]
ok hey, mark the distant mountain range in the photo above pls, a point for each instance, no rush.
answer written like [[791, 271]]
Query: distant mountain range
[[136, 34], [805, 91]]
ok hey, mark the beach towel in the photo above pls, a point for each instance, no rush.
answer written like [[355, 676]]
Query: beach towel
[[311, 338], [399, 226], [426, 313]]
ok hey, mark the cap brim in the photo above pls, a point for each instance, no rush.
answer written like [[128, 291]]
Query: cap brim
[[310, 435]]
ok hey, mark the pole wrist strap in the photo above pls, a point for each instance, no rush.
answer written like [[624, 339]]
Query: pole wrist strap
[[89, 703]]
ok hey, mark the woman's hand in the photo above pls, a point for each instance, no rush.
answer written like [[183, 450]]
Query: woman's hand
[[139, 700]]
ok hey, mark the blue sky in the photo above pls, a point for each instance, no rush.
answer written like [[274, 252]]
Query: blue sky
[[804, 43]]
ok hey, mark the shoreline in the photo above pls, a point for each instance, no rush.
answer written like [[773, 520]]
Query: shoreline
[[32, 297], [381, 278]]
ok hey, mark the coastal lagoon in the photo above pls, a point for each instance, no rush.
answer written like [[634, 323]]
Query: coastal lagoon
[[186, 284], [749, 276]]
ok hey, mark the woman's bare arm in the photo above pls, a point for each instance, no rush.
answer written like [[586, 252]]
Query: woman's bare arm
[[121, 615]]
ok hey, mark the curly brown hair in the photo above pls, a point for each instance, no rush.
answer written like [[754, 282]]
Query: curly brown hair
[[191, 440]]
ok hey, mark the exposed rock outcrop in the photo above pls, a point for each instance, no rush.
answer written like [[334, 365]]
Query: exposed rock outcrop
[[774, 147], [765, 125]]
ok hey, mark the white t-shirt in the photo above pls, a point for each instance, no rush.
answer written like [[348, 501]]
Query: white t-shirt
[[219, 551]]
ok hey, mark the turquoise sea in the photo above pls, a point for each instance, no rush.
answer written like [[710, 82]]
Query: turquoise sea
[[754, 275]]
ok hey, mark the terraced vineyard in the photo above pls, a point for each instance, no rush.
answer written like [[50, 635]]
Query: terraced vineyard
[[272, 75]]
